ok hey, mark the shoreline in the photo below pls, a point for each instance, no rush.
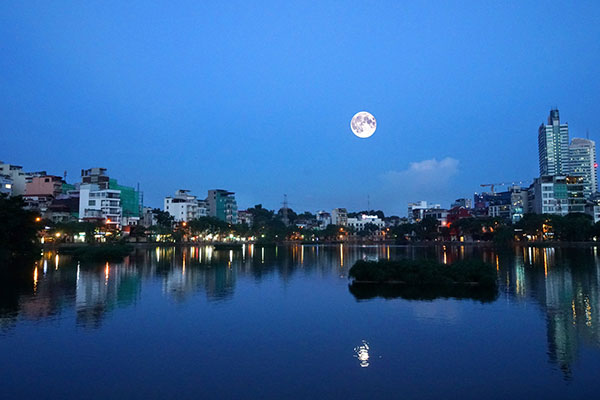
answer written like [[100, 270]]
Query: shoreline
[[53, 246]]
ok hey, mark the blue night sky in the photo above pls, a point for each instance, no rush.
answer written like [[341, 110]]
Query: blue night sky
[[256, 96]]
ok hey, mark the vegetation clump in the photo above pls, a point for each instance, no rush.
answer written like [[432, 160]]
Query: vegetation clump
[[424, 273], [105, 252], [18, 230]]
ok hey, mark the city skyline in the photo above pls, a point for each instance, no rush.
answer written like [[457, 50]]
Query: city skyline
[[232, 97]]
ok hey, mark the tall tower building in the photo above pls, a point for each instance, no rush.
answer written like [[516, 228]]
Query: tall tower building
[[582, 162], [553, 146]]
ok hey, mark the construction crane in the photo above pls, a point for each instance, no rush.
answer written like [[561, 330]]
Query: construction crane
[[492, 185]]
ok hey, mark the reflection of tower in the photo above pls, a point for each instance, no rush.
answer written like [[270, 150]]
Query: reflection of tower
[[284, 211]]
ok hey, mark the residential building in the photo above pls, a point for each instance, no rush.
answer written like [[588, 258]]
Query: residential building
[[557, 195], [323, 219], [183, 207], [148, 218], [440, 214], [64, 208], [129, 197], [245, 217], [6, 184], [48, 185], [95, 176], [130, 201], [100, 205], [202, 208], [463, 202], [519, 200], [510, 205], [582, 162], [417, 209], [339, 216], [553, 146], [456, 213], [222, 205], [592, 206], [18, 177]]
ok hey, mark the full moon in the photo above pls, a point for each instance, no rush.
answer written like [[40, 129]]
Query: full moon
[[363, 124]]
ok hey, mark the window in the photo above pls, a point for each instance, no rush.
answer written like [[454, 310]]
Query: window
[[92, 203]]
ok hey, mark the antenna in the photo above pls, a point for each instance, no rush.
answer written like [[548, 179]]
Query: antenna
[[368, 202], [587, 134]]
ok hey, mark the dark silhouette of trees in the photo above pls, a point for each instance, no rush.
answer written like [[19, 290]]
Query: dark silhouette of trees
[[18, 229]]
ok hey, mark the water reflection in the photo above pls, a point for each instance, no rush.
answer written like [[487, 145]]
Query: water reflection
[[562, 282], [362, 354]]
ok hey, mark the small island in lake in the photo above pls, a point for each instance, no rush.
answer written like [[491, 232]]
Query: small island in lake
[[424, 272], [423, 280]]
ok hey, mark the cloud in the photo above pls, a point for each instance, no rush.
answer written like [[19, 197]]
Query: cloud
[[423, 180], [425, 173]]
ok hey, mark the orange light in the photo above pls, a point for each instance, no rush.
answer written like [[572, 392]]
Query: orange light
[[185, 223], [38, 219], [108, 221]]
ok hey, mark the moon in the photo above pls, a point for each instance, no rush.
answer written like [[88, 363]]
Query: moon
[[363, 124]]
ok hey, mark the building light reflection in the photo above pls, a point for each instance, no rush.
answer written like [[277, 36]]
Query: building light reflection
[[56, 261], [35, 279], [106, 273]]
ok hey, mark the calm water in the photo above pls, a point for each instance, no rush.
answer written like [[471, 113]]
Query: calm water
[[283, 323]]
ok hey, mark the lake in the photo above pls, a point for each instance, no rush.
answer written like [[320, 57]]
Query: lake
[[282, 322]]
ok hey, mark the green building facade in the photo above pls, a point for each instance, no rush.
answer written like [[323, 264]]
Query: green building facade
[[130, 199]]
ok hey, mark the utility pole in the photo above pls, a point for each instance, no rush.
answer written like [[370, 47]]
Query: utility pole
[[284, 211]]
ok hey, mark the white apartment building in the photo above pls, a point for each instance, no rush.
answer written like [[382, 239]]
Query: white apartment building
[[358, 224], [103, 205], [339, 216], [183, 207], [323, 219]]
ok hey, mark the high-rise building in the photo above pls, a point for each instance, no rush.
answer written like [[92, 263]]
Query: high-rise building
[[222, 205], [553, 146], [582, 162]]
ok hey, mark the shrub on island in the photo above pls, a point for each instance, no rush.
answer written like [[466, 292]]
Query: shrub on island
[[105, 252], [424, 273]]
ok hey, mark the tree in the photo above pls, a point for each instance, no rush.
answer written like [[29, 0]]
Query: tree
[[427, 228], [18, 229], [208, 225], [368, 229], [574, 227], [163, 218], [260, 215], [532, 224]]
